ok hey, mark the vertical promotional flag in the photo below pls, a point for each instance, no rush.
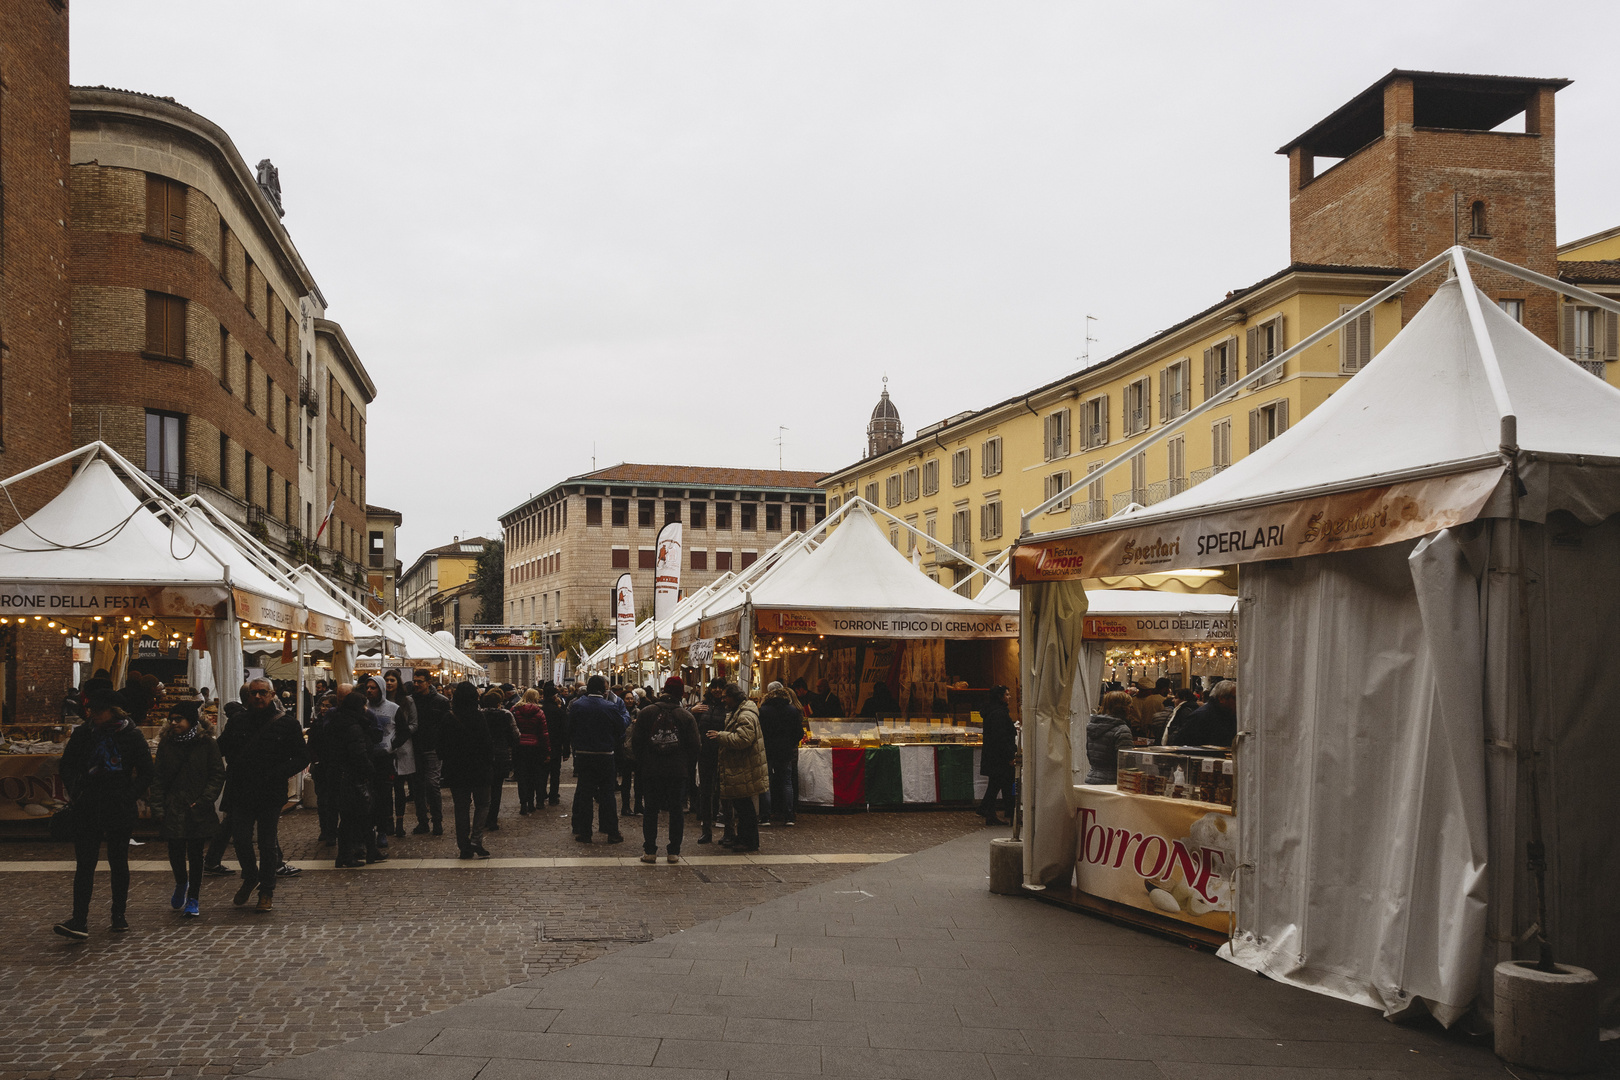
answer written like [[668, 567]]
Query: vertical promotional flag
[[624, 609], [667, 573]]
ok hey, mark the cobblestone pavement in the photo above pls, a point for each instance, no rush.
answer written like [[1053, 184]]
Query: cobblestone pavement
[[349, 953]]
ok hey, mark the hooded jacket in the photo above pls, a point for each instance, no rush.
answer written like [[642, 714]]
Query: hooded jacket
[[742, 771], [533, 736], [1105, 737]]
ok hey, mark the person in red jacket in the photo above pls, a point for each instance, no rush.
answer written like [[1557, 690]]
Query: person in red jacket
[[533, 751]]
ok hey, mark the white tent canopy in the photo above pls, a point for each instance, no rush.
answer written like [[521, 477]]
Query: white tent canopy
[[1429, 561]]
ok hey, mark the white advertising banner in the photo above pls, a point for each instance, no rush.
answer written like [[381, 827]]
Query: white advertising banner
[[891, 624], [624, 609], [667, 572]]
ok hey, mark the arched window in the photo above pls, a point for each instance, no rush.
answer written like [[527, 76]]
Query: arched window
[[1477, 219]]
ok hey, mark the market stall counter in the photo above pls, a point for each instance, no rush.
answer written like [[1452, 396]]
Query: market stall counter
[[888, 762]]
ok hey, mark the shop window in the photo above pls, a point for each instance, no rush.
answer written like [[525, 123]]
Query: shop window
[[621, 558], [165, 326], [1355, 341]]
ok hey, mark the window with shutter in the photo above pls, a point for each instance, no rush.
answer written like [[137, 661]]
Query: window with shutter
[[990, 520], [1580, 332], [1096, 496], [165, 326], [165, 208], [930, 477], [1355, 341], [1264, 342], [1094, 423], [961, 468], [990, 457], [1139, 479], [1221, 449], [1138, 405], [1055, 484], [1177, 448], [891, 491], [1057, 435], [1254, 430], [913, 485], [1610, 336], [872, 493]]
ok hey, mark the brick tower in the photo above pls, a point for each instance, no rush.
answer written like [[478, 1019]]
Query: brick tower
[[1419, 169]]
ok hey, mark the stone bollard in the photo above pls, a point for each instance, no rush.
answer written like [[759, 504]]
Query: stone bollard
[[1546, 1020], [1006, 866]]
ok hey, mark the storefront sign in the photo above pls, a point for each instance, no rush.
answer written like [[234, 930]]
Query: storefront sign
[[325, 626], [1343, 521], [1161, 627], [1175, 858], [261, 611], [30, 780], [720, 626], [701, 652], [67, 601], [476, 640], [890, 624]]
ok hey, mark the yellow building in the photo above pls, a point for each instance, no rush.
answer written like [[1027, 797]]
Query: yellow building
[[967, 480], [438, 580]]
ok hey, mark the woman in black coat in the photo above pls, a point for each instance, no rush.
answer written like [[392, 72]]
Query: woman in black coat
[[996, 756], [186, 780], [467, 762]]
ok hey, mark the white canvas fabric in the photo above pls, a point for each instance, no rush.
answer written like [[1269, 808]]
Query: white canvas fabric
[[919, 781], [815, 777]]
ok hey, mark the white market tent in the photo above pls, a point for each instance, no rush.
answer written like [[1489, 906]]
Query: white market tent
[[96, 549], [1429, 562]]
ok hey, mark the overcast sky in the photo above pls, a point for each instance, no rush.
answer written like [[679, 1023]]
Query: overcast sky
[[658, 231]]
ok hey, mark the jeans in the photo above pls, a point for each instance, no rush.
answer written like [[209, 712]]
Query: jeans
[[472, 807], [747, 819], [593, 784], [186, 860], [427, 775], [530, 765], [781, 797], [1001, 782], [497, 784], [326, 800], [267, 819], [89, 829], [666, 793]]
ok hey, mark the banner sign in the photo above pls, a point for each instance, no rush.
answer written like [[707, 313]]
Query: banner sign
[[701, 652], [890, 624], [65, 600], [261, 611], [624, 609], [30, 780], [325, 626], [1161, 627], [1176, 858], [1342, 521], [502, 639], [667, 573]]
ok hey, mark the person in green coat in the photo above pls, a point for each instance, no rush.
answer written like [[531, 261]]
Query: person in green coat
[[186, 780], [741, 774]]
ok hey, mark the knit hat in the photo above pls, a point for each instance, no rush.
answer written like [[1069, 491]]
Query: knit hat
[[674, 687], [191, 710]]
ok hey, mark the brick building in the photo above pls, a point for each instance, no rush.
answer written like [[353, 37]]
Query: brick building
[[567, 546], [200, 346], [35, 298]]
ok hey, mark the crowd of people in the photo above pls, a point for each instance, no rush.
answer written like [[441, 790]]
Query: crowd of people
[[1157, 715], [382, 750]]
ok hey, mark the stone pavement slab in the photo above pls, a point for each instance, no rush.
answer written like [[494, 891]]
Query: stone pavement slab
[[908, 969]]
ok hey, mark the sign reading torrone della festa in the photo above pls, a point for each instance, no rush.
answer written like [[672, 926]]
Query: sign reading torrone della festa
[[73, 600]]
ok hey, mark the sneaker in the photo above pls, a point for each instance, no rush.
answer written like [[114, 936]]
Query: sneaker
[[288, 870], [218, 870], [72, 928], [178, 900], [193, 909], [244, 893], [649, 858], [266, 902], [480, 852], [616, 838], [788, 823], [119, 924], [764, 823], [672, 858], [420, 830]]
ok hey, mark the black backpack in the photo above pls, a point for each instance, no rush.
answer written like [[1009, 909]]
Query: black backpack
[[664, 739]]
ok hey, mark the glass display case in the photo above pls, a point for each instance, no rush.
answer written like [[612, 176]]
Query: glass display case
[[895, 730], [1178, 772]]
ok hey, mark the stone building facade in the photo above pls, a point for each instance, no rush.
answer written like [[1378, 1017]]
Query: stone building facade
[[567, 546], [382, 563]]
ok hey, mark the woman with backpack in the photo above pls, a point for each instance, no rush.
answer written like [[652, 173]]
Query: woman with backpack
[[664, 743]]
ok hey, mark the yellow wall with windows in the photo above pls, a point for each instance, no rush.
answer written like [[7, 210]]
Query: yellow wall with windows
[[1021, 425]]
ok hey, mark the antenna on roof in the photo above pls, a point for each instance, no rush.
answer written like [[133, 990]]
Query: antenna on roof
[[1085, 356], [779, 430]]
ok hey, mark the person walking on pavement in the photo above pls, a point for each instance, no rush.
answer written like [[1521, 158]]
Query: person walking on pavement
[[106, 766], [467, 759], [556, 710], [213, 858], [532, 753], [382, 713], [503, 737], [781, 722], [431, 710], [596, 727], [710, 715], [321, 772], [407, 789], [343, 741], [742, 774], [996, 758], [664, 744], [186, 779], [262, 747], [625, 762]]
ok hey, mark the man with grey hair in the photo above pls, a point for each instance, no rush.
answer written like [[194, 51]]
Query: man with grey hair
[[1215, 722], [262, 748]]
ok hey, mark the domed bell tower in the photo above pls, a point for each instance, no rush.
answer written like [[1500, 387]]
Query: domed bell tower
[[884, 431]]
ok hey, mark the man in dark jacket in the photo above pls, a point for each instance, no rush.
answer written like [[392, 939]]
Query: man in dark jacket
[[1215, 722], [664, 745], [710, 716], [996, 756], [431, 708], [781, 723], [262, 748], [596, 727], [344, 740], [105, 767], [556, 709]]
